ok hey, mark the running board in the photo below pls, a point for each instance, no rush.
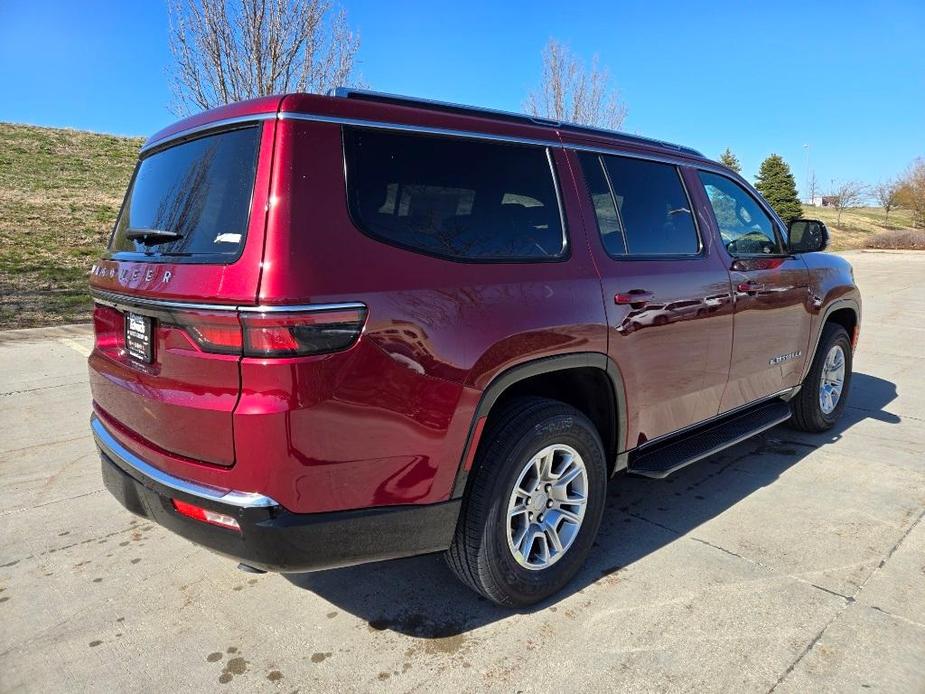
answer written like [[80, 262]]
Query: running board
[[663, 458]]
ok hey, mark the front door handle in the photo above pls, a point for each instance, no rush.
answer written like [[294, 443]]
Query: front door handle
[[633, 296]]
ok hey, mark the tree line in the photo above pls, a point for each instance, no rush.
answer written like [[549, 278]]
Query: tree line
[[230, 50]]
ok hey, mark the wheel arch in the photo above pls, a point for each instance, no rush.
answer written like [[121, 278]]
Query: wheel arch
[[592, 372], [845, 312]]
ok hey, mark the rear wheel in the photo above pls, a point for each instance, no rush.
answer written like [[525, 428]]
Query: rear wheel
[[534, 504], [824, 394]]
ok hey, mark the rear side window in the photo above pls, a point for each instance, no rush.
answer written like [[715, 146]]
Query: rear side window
[[651, 207], [454, 198], [200, 190]]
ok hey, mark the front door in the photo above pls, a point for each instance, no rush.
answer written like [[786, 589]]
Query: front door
[[771, 293], [666, 291]]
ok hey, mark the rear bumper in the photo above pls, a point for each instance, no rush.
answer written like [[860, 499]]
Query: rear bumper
[[272, 538]]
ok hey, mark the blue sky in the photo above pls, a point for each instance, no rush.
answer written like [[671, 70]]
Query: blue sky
[[846, 78]]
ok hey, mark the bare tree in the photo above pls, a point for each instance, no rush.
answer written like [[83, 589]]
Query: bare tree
[[887, 194], [911, 194], [229, 50], [569, 91], [812, 185], [847, 194]]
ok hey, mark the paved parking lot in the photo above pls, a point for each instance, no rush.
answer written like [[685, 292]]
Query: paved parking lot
[[788, 563]]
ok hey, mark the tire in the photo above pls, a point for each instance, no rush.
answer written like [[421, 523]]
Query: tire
[[483, 555], [808, 411]]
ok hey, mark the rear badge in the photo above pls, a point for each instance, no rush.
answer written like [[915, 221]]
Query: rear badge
[[784, 357]]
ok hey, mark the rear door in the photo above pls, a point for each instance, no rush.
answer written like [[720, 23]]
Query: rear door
[[666, 292], [771, 291], [185, 251]]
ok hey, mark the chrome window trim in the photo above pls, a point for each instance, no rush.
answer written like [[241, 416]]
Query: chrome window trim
[[205, 127], [419, 129], [111, 447], [680, 159], [115, 299]]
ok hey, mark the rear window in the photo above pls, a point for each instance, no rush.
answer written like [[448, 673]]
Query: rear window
[[453, 198], [200, 190]]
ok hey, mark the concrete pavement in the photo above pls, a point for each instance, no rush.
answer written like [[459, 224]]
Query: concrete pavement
[[789, 563]]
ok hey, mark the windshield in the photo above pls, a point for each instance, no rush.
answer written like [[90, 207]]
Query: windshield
[[192, 199]]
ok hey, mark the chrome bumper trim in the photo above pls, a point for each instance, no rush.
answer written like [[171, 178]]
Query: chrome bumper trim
[[109, 445]]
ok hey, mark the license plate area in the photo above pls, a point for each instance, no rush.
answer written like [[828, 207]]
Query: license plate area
[[139, 343]]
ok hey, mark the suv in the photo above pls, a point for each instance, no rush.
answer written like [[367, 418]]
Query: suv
[[332, 330]]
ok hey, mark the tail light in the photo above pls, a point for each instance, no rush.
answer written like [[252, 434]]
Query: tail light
[[297, 334], [108, 328], [272, 333]]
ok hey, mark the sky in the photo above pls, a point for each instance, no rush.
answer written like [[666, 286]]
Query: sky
[[836, 87]]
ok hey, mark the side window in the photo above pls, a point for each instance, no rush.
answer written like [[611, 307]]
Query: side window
[[653, 207], [454, 198], [608, 221], [743, 225]]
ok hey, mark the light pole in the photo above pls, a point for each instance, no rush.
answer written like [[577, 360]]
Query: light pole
[[809, 193]]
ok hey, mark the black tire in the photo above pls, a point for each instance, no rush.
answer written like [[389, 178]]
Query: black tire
[[807, 412], [480, 555]]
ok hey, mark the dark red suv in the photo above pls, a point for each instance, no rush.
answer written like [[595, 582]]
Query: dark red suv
[[332, 330]]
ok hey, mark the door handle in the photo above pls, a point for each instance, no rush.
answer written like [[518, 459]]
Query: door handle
[[633, 296], [750, 287]]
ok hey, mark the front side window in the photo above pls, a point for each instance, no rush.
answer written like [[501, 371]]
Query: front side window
[[192, 199], [744, 227], [650, 207], [454, 198]]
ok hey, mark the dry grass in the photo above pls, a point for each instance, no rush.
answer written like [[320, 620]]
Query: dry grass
[[858, 225], [904, 239], [60, 191]]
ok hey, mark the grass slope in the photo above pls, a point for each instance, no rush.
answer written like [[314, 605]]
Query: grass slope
[[859, 225], [60, 191]]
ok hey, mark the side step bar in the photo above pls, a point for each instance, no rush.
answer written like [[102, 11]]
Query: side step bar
[[663, 458]]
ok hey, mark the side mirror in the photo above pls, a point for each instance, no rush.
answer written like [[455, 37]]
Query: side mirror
[[807, 236]]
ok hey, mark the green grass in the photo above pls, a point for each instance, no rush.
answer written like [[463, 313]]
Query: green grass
[[60, 191]]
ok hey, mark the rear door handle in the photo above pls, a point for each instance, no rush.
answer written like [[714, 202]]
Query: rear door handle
[[634, 296], [750, 287]]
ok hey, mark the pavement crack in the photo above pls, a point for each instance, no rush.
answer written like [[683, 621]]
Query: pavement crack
[[754, 562], [905, 620], [655, 523], [809, 647], [850, 600]]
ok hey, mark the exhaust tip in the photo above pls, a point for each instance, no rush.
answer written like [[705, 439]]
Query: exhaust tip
[[247, 568]]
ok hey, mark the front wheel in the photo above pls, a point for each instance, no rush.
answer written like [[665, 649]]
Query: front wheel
[[534, 505], [824, 394]]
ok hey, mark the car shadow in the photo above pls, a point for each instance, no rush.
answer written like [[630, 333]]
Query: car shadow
[[420, 597]]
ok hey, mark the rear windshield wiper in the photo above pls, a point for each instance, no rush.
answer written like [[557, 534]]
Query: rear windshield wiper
[[149, 237]]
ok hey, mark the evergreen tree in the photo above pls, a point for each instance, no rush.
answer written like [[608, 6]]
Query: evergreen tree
[[776, 184], [730, 161]]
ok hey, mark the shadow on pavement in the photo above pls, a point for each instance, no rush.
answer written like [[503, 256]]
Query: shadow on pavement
[[420, 596]]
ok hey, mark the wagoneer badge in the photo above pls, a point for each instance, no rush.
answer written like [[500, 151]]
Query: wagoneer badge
[[784, 357]]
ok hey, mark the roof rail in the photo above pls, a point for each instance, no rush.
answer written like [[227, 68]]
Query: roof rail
[[351, 93]]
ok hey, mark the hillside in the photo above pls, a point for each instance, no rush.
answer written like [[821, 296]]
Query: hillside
[[60, 191], [858, 225]]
